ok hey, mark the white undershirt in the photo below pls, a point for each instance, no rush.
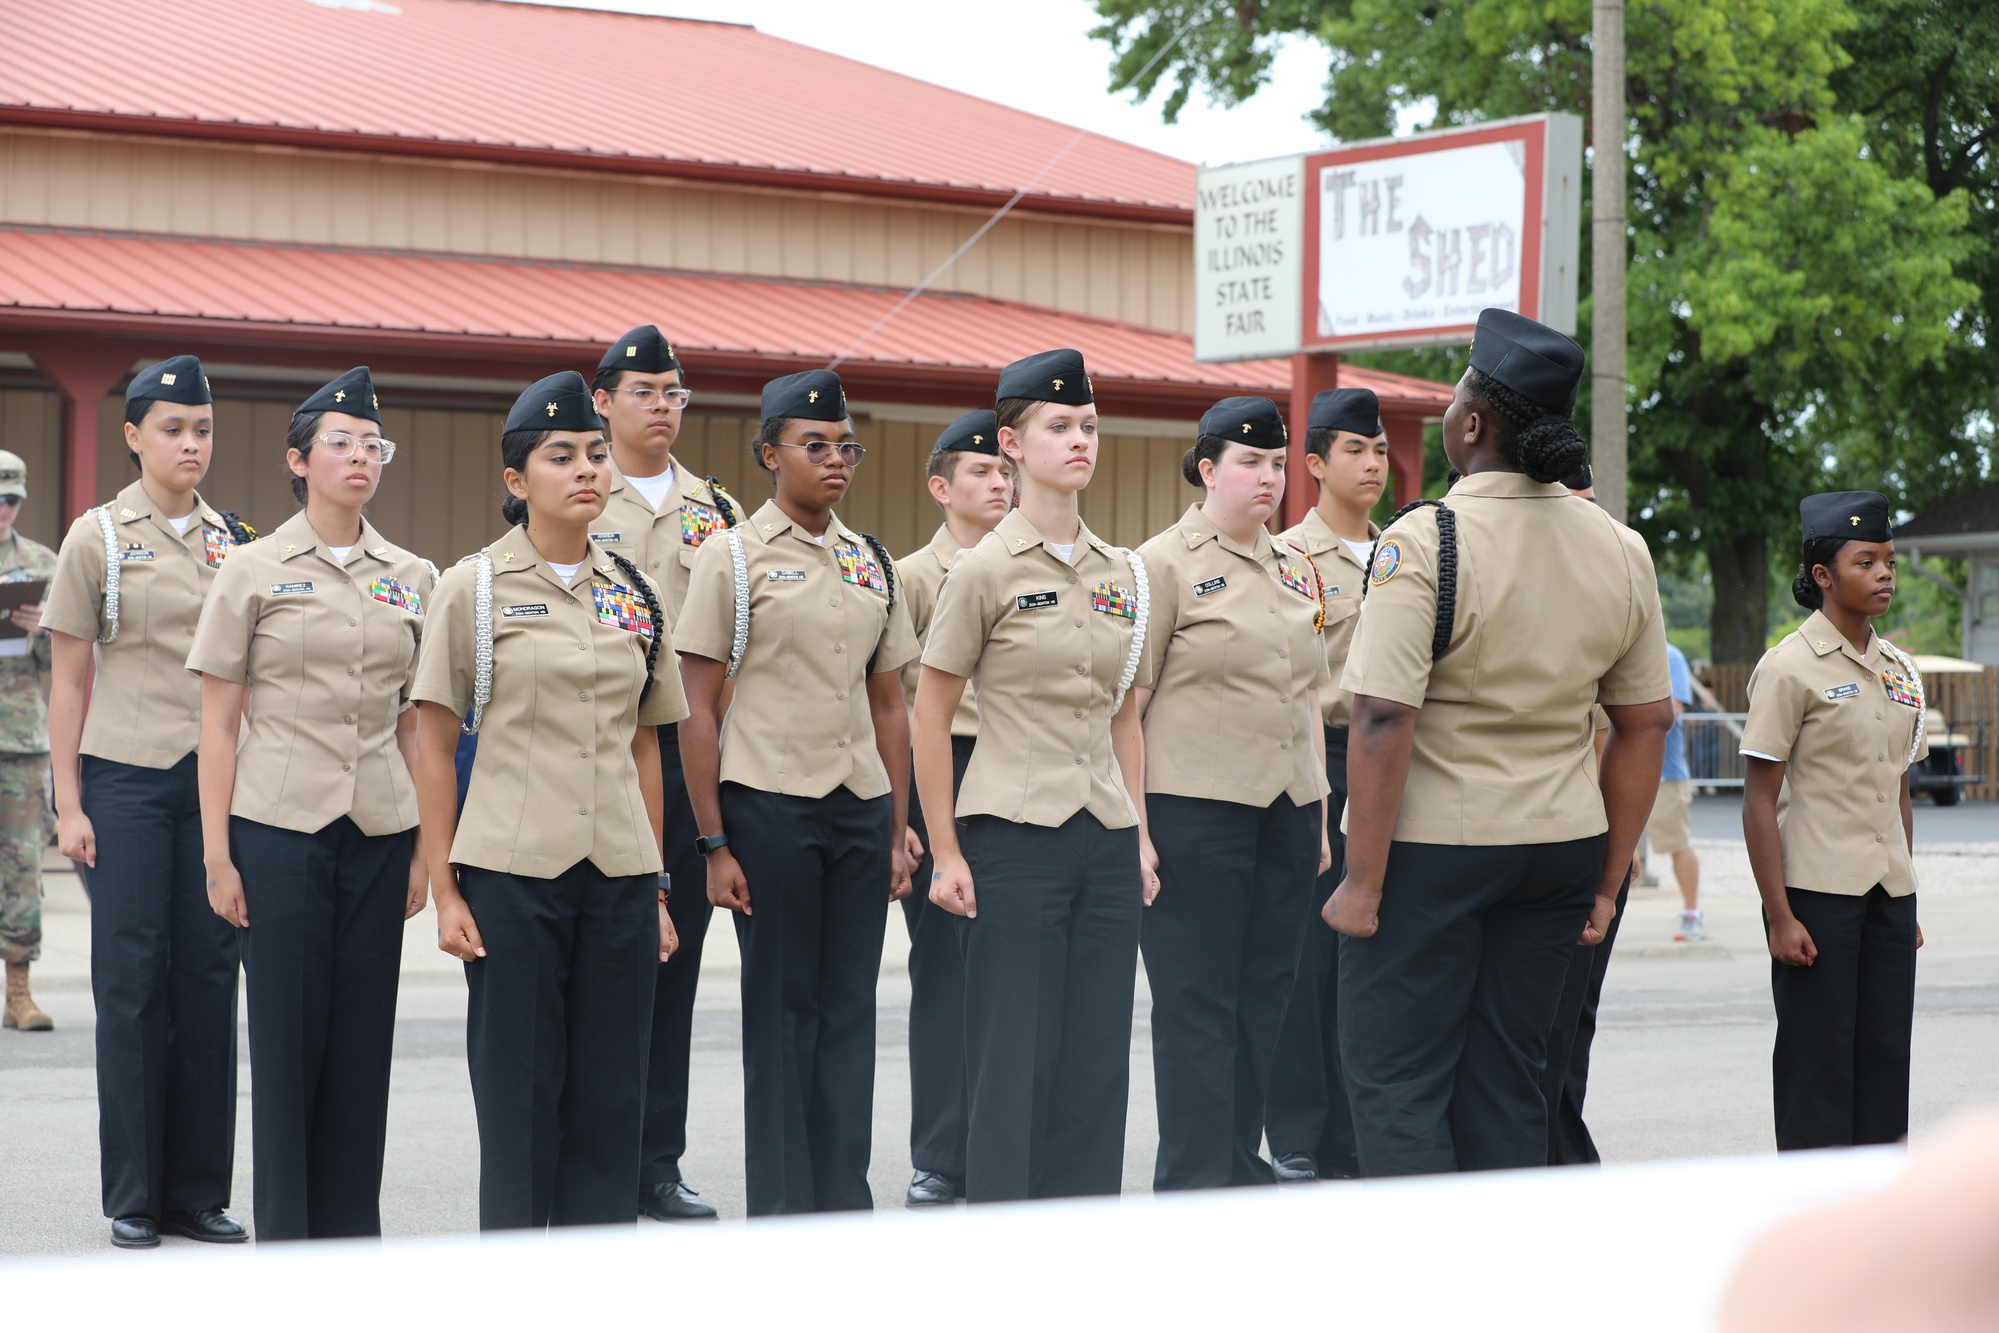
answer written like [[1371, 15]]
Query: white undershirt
[[182, 524], [1063, 551], [1362, 551], [654, 489], [339, 553], [567, 573]]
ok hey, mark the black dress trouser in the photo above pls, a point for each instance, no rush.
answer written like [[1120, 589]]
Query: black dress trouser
[[1565, 1079], [936, 1008], [321, 962], [557, 1019], [1445, 1011], [1051, 962], [673, 995], [1221, 946], [819, 876], [1307, 1110], [163, 974], [1840, 1070]]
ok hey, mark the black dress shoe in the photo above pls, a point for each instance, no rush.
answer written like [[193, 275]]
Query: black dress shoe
[[929, 1189], [674, 1202], [205, 1224], [134, 1233], [1295, 1168]]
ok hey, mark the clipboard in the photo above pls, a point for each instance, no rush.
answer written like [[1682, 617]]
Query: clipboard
[[14, 593]]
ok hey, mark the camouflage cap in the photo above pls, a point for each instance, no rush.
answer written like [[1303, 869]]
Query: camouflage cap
[[13, 476]]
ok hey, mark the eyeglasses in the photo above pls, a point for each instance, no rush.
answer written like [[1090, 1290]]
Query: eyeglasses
[[649, 399], [342, 445], [819, 450]]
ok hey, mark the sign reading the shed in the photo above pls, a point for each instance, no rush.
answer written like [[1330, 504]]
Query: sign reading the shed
[[1249, 233], [1390, 243]]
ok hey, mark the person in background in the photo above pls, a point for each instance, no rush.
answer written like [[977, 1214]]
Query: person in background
[[972, 482], [1669, 829], [24, 755]]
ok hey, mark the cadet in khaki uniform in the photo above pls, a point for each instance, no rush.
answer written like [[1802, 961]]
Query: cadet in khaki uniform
[[658, 515], [24, 755], [1479, 847], [1307, 1119], [1043, 849], [1835, 719], [1235, 788], [130, 581], [802, 795], [973, 484], [309, 827], [548, 886]]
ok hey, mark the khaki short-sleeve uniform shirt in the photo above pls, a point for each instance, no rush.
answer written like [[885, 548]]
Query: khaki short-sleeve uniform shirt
[[1557, 609], [329, 653], [24, 662], [554, 783], [1344, 574], [145, 708], [1842, 723], [820, 625], [1234, 652], [922, 575], [663, 542], [1046, 639]]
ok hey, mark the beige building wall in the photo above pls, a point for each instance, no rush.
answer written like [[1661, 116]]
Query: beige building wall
[[1118, 271]]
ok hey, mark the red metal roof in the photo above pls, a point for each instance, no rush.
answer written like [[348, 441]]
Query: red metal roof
[[502, 310], [564, 87]]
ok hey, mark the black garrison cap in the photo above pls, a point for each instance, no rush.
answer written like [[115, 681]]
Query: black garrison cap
[[644, 349], [1048, 377], [973, 433], [178, 379], [1529, 358], [1860, 516], [353, 393], [811, 395], [559, 402], [1251, 421], [1582, 479], [1355, 410]]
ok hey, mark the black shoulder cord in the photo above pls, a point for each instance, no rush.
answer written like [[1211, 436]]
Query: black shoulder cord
[[644, 589], [239, 532], [888, 576], [724, 502], [1447, 570]]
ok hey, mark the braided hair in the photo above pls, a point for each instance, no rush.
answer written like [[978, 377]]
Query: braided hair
[[1540, 442], [651, 599], [1447, 570]]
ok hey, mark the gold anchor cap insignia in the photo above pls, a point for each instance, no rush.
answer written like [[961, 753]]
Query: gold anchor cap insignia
[[812, 396], [1058, 386], [551, 408], [340, 395], [1855, 520], [978, 439], [1246, 427]]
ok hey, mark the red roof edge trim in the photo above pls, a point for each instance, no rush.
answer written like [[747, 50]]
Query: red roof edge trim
[[724, 173]]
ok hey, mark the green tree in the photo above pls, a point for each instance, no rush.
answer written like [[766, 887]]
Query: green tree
[[1790, 288]]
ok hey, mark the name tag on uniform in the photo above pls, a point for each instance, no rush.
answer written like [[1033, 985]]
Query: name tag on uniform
[[607, 538], [286, 589], [1839, 692], [1333, 590], [525, 609], [123, 556], [785, 576], [1215, 584], [1034, 601]]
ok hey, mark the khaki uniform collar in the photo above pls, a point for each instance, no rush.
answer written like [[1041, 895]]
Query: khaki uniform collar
[[1824, 639], [770, 523], [295, 537], [1318, 539], [1017, 534], [1199, 529], [944, 546], [133, 505], [1508, 486], [515, 554]]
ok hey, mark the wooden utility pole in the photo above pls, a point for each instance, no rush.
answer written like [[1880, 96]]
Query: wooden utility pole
[[1608, 434]]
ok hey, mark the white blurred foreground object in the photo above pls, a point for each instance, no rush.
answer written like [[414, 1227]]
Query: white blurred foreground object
[[1543, 1250]]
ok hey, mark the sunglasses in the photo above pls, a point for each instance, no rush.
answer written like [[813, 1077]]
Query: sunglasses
[[818, 451]]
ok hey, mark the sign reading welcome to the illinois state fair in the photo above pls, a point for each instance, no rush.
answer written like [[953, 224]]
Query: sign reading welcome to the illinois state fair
[[1393, 243]]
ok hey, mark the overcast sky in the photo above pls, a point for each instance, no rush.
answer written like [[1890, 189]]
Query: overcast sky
[[1033, 54]]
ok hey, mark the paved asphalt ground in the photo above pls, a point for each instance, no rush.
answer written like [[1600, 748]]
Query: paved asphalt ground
[[1681, 1069]]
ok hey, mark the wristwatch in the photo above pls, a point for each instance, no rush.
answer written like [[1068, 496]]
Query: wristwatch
[[665, 887], [707, 845]]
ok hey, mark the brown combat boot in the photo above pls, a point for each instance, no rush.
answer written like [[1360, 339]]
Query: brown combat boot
[[22, 1011]]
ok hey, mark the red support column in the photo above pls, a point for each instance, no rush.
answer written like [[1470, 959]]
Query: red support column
[[1405, 457], [83, 371], [1312, 373]]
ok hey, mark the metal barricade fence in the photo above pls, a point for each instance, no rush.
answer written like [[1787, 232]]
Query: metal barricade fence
[[1714, 748]]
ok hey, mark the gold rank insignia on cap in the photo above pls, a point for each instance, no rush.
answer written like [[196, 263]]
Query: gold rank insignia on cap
[[166, 377], [631, 349], [376, 399], [340, 395]]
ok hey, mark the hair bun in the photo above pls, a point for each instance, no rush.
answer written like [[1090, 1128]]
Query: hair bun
[[1190, 467], [1549, 449], [514, 510], [1806, 592]]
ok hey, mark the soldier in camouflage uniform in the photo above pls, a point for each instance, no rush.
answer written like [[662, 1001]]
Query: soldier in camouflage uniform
[[24, 755]]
